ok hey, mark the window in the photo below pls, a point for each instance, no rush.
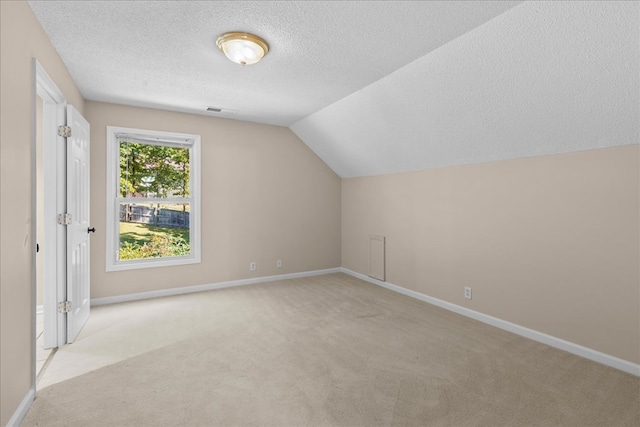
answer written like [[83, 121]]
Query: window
[[153, 199]]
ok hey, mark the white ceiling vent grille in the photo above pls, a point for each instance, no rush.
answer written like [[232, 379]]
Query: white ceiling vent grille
[[222, 111]]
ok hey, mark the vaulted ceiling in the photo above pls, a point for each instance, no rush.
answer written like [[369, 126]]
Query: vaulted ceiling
[[373, 87]]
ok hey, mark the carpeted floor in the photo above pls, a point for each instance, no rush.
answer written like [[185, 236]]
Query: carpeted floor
[[322, 351]]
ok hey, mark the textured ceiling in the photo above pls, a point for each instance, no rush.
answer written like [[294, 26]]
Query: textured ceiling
[[162, 54], [374, 87], [542, 78]]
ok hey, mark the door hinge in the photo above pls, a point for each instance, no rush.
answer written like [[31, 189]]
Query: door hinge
[[64, 307], [64, 131], [64, 218]]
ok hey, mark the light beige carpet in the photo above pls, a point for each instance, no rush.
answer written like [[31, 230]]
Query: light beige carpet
[[322, 351]]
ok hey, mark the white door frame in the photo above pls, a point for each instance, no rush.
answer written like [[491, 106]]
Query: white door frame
[[53, 249]]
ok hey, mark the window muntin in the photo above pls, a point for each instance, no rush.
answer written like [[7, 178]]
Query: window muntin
[[153, 199]]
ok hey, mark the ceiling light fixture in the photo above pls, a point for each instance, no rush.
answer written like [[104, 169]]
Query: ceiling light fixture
[[242, 48]]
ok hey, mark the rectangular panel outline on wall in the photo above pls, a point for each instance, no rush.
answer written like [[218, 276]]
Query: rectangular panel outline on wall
[[377, 257]]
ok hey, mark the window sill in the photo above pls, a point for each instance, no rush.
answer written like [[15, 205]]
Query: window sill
[[152, 263]]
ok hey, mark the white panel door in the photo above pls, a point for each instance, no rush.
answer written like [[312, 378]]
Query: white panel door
[[78, 229]]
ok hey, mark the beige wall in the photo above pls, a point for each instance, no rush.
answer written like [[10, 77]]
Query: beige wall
[[265, 196], [549, 243], [21, 40]]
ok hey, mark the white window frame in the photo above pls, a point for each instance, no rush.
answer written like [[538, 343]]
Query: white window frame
[[113, 197]]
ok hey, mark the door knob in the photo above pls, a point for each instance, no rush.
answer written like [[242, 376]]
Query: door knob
[[91, 230]]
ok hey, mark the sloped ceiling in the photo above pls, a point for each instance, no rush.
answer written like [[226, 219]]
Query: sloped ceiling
[[543, 78], [374, 87]]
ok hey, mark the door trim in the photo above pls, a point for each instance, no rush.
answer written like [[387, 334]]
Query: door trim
[[54, 242]]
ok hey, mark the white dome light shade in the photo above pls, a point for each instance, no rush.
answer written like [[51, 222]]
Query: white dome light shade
[[242, 48]]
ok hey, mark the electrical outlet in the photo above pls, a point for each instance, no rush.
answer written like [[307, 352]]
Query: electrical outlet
[[279, 263], [252, 266], [467, 293]]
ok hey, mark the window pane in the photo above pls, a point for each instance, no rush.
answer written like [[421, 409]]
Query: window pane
[[157, 171], [154, 230]]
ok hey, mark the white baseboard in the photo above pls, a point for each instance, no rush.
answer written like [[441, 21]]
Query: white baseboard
[[208, 287], [22, 409], [587, 353]]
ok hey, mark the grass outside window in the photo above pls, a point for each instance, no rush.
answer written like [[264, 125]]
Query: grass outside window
[[149, 241]]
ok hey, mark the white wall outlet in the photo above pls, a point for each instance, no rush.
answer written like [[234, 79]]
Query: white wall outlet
[[252, 266], [467, 293], [279, 263]]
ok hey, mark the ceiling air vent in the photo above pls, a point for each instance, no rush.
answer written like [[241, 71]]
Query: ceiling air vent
[[218, 110]]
